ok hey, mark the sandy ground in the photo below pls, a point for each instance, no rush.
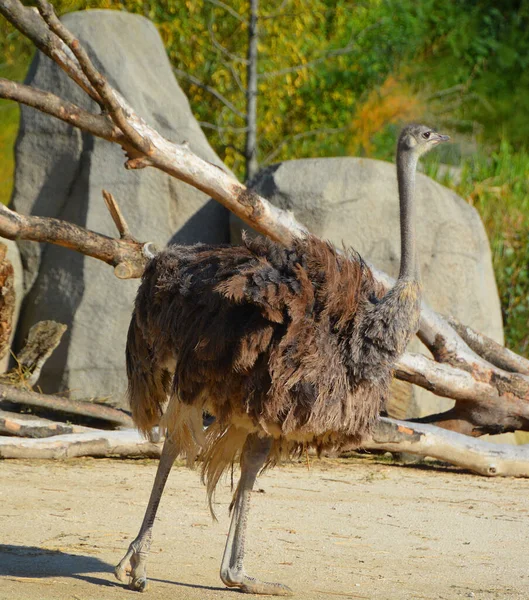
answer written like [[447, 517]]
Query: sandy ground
[[344, 529]]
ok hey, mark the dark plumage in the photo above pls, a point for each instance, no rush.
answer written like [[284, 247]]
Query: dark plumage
[[288, 347], [297, 343]]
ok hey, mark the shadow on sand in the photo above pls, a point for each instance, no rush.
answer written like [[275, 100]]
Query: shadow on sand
[[32, 562]]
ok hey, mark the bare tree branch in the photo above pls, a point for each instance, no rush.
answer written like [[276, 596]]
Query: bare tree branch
[[125, 443], [210, 90], [297, 136], [117, 216], [116, 109], [46, 102], [228, 9], [24, 425], [490, 350], [14, 395], [28, 21], [491, 401], [250, 143], [128, 256], [221, 48], [42, 339], [221, 129]]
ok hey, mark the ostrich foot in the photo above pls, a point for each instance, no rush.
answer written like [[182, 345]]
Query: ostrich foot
[[131, 569], [250, 585]]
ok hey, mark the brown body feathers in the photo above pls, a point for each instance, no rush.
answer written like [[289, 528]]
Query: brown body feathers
[[295, 343]]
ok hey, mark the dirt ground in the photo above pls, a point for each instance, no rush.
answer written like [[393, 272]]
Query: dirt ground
[[344, 529]]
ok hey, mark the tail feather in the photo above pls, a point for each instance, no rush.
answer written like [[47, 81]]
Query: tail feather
[[222, 448], [149, 384]]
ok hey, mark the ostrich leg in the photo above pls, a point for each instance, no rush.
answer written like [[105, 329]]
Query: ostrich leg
[[139, 549], [232, 573]]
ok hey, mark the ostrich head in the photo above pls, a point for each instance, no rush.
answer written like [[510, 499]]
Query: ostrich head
[[419, 139]]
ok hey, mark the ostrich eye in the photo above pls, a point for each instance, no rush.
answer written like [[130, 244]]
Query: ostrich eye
[[426, 135]]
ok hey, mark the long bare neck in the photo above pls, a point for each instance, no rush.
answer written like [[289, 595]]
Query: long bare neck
[[406, 168]]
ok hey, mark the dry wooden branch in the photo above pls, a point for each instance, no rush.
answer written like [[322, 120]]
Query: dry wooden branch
[[500, 460], [489, 398], [175, 159], [7, 300], [25, 425], [128, 256], [490, 350], [487, 401], [28, 22], [117, 216], [127, 443], [70, 113], [111, 100], [485, 458], [83, 408]]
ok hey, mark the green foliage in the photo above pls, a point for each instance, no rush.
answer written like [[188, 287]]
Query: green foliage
[[315, 61], [481, 49], [498, 186], [15, 53], [8, 132], [337, 76]]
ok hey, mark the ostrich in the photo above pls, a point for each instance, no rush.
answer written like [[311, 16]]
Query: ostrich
[[288, 347]]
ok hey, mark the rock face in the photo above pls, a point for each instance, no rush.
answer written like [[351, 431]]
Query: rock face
[[355, 201], [60, 172]]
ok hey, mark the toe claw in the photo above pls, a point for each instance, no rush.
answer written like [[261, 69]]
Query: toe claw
[[139, 584], [267, 589], [250, 585], [121, 574]]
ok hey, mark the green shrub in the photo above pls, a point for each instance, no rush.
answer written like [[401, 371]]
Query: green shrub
[[498, 186]]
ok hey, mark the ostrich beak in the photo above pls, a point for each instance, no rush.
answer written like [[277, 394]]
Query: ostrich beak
[[439, 137]]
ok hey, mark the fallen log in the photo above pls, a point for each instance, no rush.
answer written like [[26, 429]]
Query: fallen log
[[82, 408], [26, 425], [479, 456], [99, 443]]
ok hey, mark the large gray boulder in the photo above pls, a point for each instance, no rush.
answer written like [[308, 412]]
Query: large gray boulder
[[355, 201], [60, 172]]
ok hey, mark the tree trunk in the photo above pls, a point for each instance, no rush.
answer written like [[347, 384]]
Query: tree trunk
[[7, 300], [250, 151]]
